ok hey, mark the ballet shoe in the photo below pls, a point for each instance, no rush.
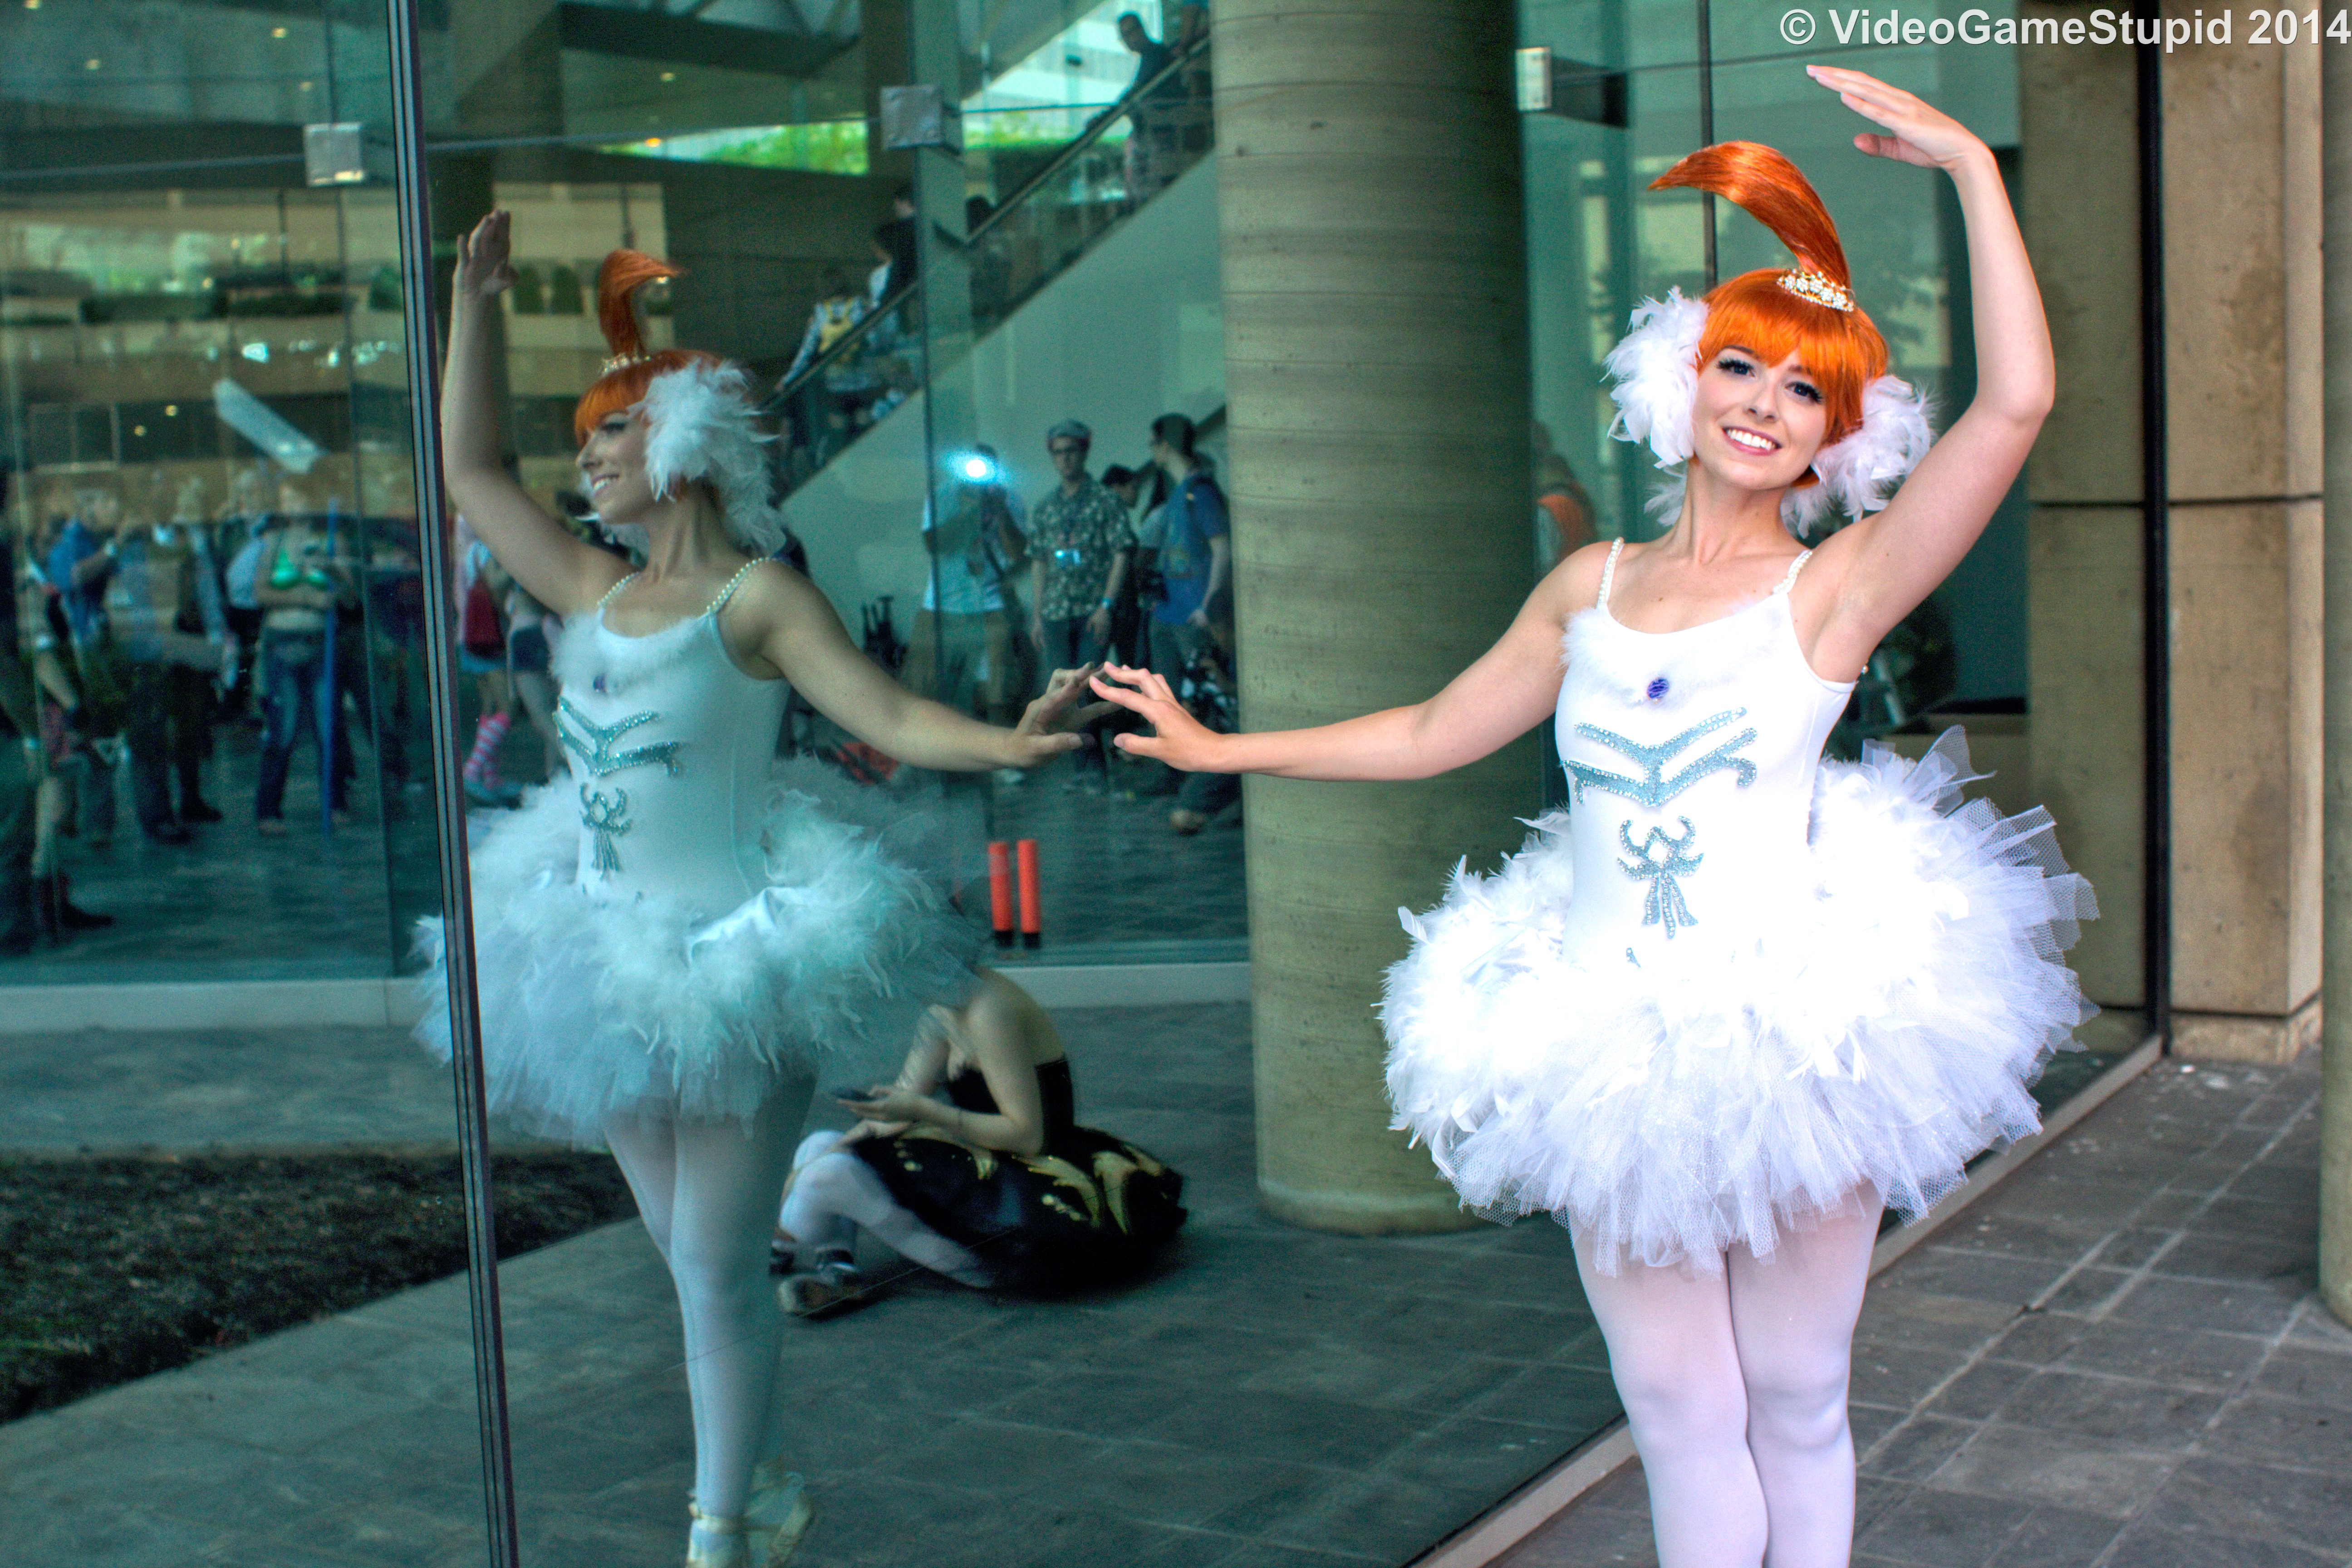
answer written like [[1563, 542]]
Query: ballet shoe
[[779, 1513], [766, 1534], [831, 1288], [716, 1540]]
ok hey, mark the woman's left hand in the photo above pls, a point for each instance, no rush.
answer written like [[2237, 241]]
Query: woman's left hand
[[1923, 134], [1048, 729]]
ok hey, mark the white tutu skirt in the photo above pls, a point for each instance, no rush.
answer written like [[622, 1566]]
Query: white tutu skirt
[[640, 1003], [1874, 1029]]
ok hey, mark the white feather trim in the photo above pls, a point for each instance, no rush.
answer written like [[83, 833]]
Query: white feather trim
[[1655, 369], [1859, 472], [1610, 669], [1655, 372], [1874, 1021], [700, 425]]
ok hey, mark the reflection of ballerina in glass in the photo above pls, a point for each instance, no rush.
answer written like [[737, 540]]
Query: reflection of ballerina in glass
[[1784, 992], [972, 1164], [670, 940]]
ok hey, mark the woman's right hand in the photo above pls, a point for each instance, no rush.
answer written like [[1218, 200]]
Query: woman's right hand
[[1179, 740], [486, 258]]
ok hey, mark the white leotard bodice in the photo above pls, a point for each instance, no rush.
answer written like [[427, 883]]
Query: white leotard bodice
[[670, 745], [1691, 757]]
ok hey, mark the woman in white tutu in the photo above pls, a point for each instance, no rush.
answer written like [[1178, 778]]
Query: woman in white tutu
[[674, 939], [1734, 999]]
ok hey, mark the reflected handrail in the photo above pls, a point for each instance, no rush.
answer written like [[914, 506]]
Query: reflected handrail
[[851, 340]]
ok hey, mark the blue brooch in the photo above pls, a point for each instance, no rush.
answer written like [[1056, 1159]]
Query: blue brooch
[[1657, 688]]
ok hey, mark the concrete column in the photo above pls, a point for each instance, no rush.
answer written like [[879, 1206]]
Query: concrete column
[[2242, 190], [2079, 208], [2242, 307], [1376, 368], [2335, 1100]]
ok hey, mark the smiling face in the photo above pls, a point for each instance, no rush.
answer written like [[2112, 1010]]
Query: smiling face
[[1753, 424], [613, 467]]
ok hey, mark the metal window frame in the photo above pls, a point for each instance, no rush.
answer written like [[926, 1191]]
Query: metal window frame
[[421, 340], [421, 327]]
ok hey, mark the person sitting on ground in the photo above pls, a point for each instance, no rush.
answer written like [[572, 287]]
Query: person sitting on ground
[[973, 1165]]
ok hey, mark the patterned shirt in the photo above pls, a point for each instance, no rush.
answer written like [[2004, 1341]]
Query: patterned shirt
[[1077, 538]]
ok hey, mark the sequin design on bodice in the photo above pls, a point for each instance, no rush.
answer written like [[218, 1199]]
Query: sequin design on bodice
[[669, 742], [1723, 723], [1661, 857], [607, 817]]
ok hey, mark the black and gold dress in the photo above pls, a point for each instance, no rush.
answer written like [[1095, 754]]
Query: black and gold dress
[[1087, 1210]]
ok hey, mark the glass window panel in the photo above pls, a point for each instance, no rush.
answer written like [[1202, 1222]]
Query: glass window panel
[[246, 1177], [1970, 654]]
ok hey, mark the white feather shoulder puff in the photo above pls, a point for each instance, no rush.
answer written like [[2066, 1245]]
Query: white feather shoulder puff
[[1859, 472], [1655, 369], [700, 425]]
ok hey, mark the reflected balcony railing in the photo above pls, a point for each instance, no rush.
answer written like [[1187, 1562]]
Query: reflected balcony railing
[[1056, 211]]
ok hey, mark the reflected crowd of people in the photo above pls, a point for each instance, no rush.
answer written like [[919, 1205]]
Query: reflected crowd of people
[[1132, 567], [155, 622]]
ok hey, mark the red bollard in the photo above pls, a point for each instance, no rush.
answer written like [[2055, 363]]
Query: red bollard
[[1032, 915], [1000, 892]]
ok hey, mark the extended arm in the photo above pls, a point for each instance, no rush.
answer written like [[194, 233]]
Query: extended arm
[[1221, 571], [1486, 707], [1881, 568], [558, 570], [50, 673], [801, 636]]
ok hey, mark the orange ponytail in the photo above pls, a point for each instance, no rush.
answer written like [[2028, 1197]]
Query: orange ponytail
[[623, 384], [1842, 350]]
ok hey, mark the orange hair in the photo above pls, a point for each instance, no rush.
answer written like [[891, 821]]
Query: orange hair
[[623, 386], [1841, 350]]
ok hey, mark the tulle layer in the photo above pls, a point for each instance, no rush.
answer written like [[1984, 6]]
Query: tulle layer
[[591, 1006], [1876, 1026]]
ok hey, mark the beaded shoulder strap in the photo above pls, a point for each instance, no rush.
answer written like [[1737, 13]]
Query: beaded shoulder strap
[[616, 588], [1795, 567], [733, 583], [1609, 574]]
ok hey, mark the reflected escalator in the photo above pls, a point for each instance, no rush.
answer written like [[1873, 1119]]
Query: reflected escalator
[[1060, 212]]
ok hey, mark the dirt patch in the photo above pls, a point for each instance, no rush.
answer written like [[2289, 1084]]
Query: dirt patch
[[113, 1268]]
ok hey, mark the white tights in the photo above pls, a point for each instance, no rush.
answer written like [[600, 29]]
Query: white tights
[[834, 1192], [1735, 1387], [708, 1193]]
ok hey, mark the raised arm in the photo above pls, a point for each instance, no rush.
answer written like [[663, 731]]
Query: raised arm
[[1510, 689], [558, 570], [1879, 569], [796, 631]]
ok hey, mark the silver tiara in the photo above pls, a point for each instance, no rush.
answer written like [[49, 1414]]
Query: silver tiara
[[1806, 284]]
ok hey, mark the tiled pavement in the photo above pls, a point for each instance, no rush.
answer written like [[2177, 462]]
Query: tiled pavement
[[2115, 1360], [103, 1091], [1116, 880], [1112, 870], [1272, 1398]]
